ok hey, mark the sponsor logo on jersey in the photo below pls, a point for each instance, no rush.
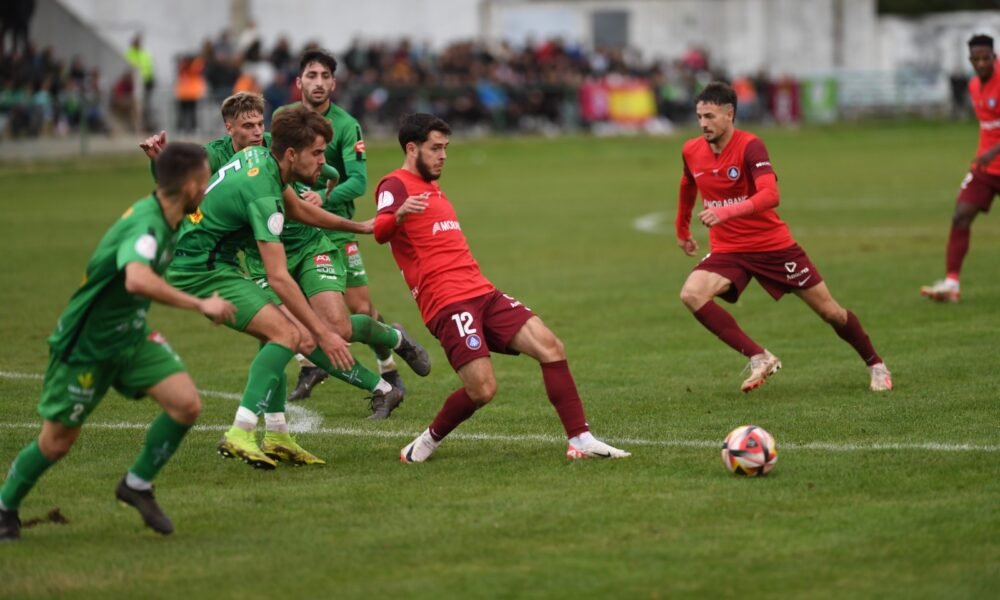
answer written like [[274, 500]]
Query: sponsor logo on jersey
[[196, 216], [86, 380], [360, 147], [763, 163], [726, 202], [253, 172], [473, 342], [988, 125], [276, 223], [351, 249], [321, 260], [385, 200], [445, 226], [145, 246], [698, 174], [733, 173]]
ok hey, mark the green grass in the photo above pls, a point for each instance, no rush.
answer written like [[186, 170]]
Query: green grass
[[504, 515]]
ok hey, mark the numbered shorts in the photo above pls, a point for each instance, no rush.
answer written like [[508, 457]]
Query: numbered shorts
[[231, 284], [979, 189], [471, 329], [315, 270], [779, 272], [355, 265], [73, 390]]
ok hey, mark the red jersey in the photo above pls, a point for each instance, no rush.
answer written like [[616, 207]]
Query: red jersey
[[728, 178], [986, 102], [429, 247]]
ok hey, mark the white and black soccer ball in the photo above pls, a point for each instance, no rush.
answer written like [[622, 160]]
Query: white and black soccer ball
[[749, 450]]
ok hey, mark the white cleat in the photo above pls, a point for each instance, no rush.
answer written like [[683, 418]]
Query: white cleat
[[881, 378], [419, 449], [944, 290], [595, 448], [761, 367]]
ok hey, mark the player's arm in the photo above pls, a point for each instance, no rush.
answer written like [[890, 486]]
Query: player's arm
[[984, 159], [686, 196], [278, 277], [307, 214], [141, 280], [354, 179], [391, 211]]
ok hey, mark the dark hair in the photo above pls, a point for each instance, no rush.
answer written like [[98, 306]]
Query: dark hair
[[980, 39], [297, 127], [718, 93], [417, 127], [242, 103], [320, 56], [178, 162]]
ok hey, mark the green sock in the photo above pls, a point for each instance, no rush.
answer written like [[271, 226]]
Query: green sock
[[266, 371], [162, 439], [376, 334], [277, 403], [359, 376], [24, 473]]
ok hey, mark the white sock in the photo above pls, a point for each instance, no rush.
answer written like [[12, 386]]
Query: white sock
[[275, 422], [384, 366], [951, 281], [245, 419], [303, 361], [580, 440], [383, 386], [400, 342], [137, 483]]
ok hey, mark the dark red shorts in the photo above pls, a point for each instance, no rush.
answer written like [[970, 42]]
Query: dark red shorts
[[779, 272], [473, 328], [978, 189]]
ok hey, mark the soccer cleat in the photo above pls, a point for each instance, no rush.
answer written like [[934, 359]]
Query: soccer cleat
[[309, 377], [242, 444], [383, 403], [394, 379], [10, 526], [144, 502], [944, 290], [419, 449], [282, 446], [881, 378], [595, 448], [761, 367], [412, 352]]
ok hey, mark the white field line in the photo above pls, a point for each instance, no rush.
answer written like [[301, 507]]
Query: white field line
[[313, 427], [651, 223]]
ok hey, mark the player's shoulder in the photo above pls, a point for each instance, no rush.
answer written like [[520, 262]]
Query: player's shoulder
[[340, 115], [694, 147]]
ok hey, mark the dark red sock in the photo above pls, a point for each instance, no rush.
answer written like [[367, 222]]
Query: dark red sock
[[854, 334], [561, 388], [724, 326], [455, 410], [958, 246]]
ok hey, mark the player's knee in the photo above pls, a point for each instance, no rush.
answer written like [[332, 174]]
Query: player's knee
[[834, 314], [692, 298], [481, 392], [288, 337], [552, 348], [188, 409], [363, 307], [962, 220], [55, 447], [344, 328]]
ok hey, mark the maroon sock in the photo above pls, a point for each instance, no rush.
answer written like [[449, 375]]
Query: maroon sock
[[562, 393], [958, 246], [455, 410], [723, 325], [854, 334]]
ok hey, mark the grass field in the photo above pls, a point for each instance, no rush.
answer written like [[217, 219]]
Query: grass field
[[874, 496]]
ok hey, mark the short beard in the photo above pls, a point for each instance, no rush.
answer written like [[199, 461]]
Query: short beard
[[425, 171]]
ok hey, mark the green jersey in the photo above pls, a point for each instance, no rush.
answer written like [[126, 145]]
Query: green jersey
[[242, 205], [346, 153], [103, 318], [220, 151]]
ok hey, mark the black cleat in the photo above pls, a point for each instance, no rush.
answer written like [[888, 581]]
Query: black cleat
[[10, 526], [309, 377], [413, 353], [394, 379], [144, 502], [383, 403]]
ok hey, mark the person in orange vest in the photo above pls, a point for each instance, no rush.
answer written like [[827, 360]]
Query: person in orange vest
[[189, 89]]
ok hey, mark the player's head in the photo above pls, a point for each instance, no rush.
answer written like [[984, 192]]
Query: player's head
[[243, 114], [298, 139], [716, 110], [316, 78], [424, 139], [981, 55], [182, 173]]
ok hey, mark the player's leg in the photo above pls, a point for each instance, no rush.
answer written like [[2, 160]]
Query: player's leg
[[359, 302], [849, 328], [537, 341]]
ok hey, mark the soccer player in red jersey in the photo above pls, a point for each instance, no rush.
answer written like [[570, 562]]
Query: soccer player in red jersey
[[464, 311], [739, 190], [982, 182]]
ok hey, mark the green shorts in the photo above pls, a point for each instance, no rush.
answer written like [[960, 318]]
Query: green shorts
[[231, 284], [355, 265], [71, 391], [316, 269]]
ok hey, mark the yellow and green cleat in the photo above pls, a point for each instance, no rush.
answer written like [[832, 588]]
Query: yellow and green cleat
[[242, 444], [282, 446]]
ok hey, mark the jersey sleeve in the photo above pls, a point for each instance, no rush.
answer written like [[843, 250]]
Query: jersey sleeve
[[390, 194], [756, 162], [354, 179], [267, 218], [138, 243]]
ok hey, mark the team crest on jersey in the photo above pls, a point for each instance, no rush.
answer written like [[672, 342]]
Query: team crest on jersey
[[196, 216], [385, 199], [253, 172], [360, 147], [733, 173], [473, 342], [145, 246], [86, 380], [790, 267], [276, 223]]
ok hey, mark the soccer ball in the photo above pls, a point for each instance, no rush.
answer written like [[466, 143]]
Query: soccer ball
[[749, 450]]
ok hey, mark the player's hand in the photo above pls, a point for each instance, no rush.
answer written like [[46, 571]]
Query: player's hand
[[412, 205], [336, 349], [983, 160], [365, 227], [689, 246], [709, 218], [218, 309], [154, 144], [330, 184], [312, 198]]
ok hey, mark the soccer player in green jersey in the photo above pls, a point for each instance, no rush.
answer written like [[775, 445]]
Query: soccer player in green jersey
[[102, 340], [346, 152]]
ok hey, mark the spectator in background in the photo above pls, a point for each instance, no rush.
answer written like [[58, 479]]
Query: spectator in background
[[142, 61], [123, 105], [15, 16], [189, 90]]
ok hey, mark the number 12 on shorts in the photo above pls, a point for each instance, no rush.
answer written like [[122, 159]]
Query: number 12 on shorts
[[463, 321]]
